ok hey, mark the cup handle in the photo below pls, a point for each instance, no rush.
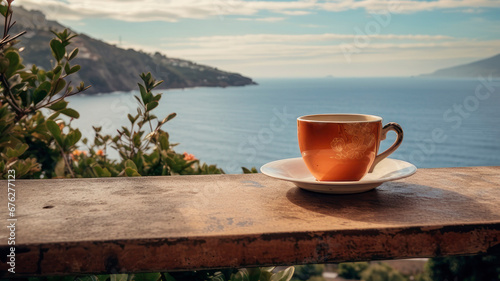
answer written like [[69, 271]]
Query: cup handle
[[389, 127]]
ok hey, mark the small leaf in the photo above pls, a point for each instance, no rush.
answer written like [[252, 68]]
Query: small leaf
[[284, 275], [50, 75], [253, 170], [28, 77], [71, 113], [3, 10], [82, 87], [168, 118], [10, 153], [14, 62], [59, 85], [72, 138], [156, 84], [131, 118], [150, 136], [130, 164], [57, 49], [164, 143], [41, 92], [254, 273], [54, 115], [138, 100], [268, 268], [74, 69], [67, 67], [131, 172], [136, 139], [102, 172], [152, 105], [73, 54], [23, 167], [106, 173], [167, 277], [157, 97], [143, 93], [21, 148], [55, 131], [241, 275], [59, 105], [4, 64], [57, 70]]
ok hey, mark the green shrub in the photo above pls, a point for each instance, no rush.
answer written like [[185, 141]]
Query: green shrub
[[465, 268], [352, 270], [38, 142], [27, 142], [381, 272], [309, 272]]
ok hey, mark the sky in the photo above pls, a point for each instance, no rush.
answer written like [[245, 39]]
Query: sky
[[303, 38]]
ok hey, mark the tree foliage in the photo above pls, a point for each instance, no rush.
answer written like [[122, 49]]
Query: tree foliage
[[464, 268]]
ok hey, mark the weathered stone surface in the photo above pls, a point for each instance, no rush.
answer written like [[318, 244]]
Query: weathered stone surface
[[194, 222]]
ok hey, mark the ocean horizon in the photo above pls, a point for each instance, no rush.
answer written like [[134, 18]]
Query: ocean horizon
[[447, 122]]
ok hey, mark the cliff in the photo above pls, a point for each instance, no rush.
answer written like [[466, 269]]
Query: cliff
[[109, 68], [485, 68]]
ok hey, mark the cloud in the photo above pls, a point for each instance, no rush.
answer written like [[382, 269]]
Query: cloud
[[313, 25], [268, 19], [408, 6], [295, 39], [472, 11], [308, 54], [295, 13], [174, 10]]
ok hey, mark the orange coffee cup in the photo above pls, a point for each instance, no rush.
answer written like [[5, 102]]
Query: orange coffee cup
[[343, 147]]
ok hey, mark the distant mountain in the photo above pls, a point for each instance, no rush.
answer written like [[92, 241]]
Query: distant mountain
[[486, 67], [109, 68]]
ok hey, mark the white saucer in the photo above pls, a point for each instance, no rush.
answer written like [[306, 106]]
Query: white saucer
[[295, 170]]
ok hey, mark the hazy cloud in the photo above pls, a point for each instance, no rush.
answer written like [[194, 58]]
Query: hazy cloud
[[295, 13], [265, 53], [268, 19], [173, 10], [302, 38]]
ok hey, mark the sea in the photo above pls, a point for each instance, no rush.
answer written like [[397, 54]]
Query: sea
[[446, 122]]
